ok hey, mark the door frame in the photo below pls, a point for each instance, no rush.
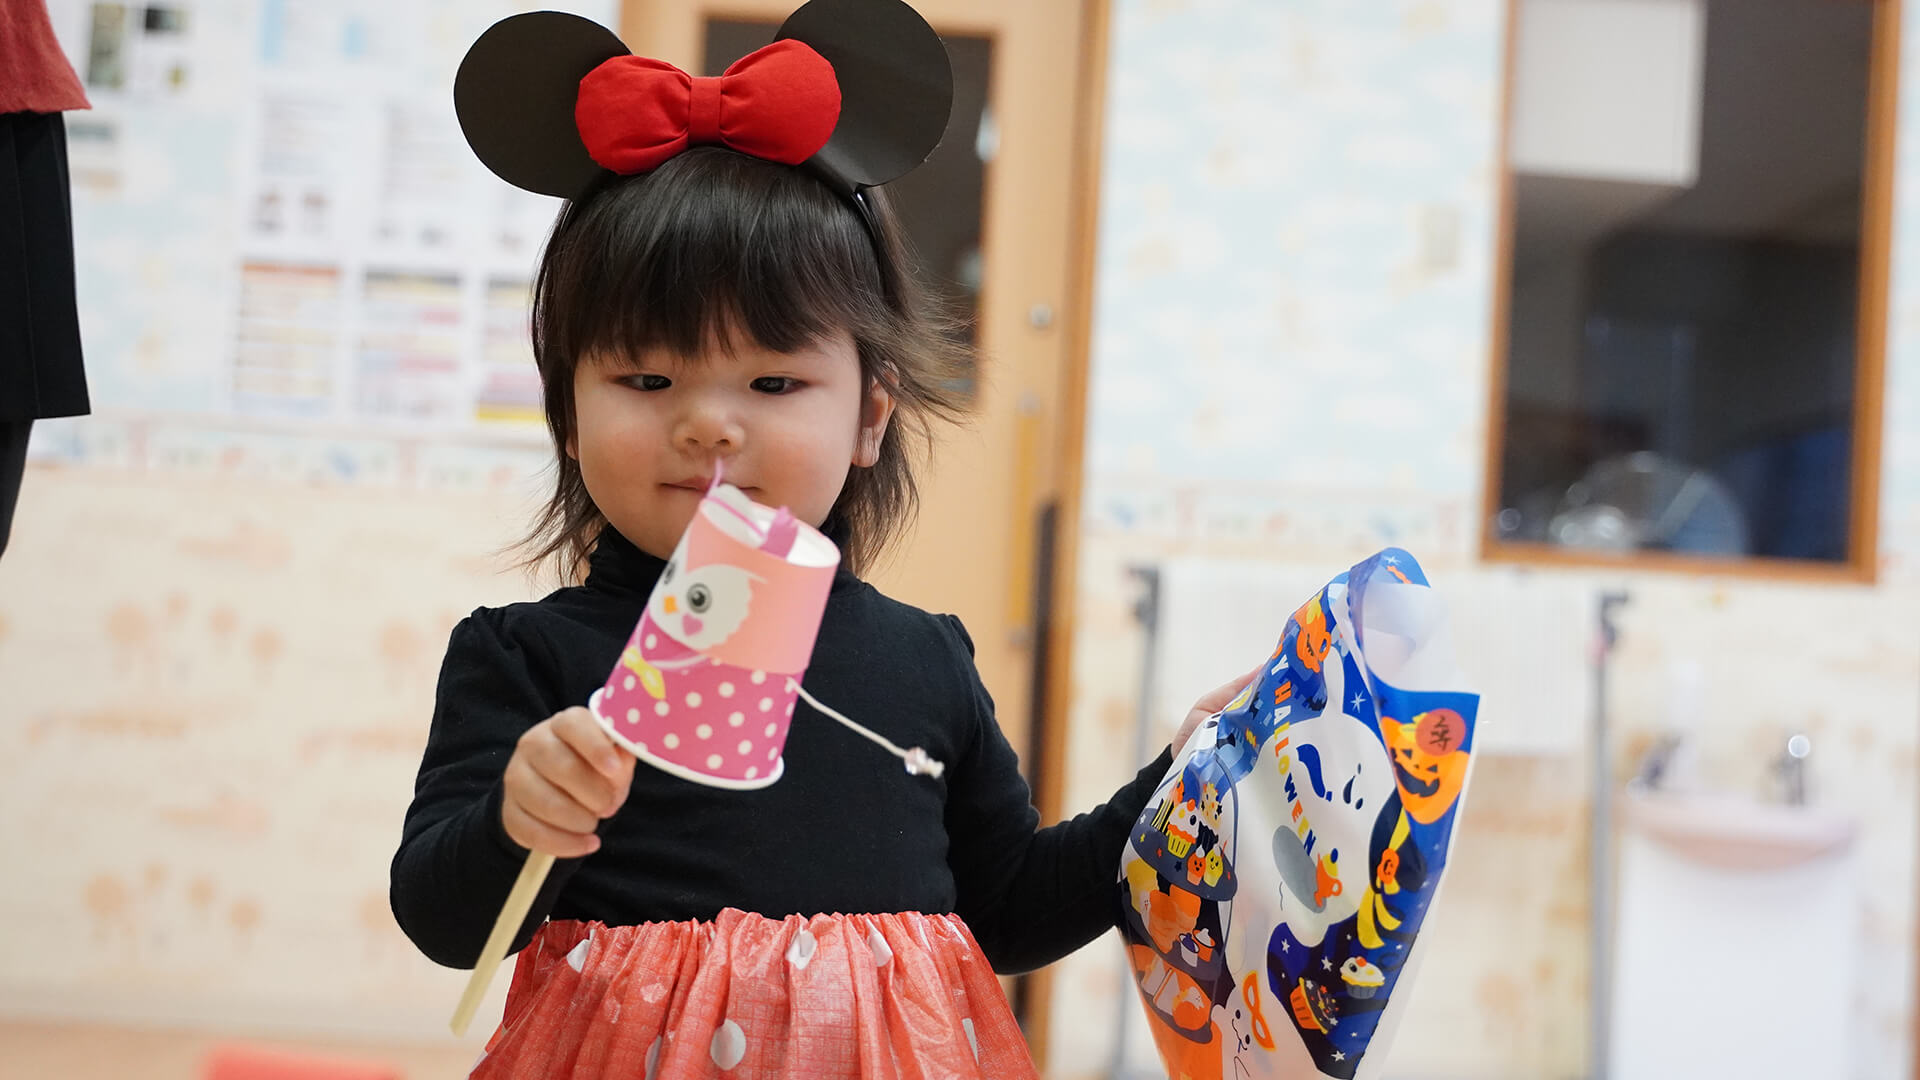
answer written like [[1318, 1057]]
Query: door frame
[[1083, 248]]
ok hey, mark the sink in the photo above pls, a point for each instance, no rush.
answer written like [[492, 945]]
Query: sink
[[1735, 833], [1736, 939]]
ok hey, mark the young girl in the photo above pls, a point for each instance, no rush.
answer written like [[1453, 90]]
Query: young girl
[[717, 309]]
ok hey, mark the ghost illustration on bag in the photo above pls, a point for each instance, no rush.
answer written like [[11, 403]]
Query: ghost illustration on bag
[[1337, 785]]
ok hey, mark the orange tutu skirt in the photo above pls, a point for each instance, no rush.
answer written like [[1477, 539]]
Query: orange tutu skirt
[[859, 997]]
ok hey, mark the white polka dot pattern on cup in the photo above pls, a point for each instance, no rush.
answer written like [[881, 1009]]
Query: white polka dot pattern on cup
[[629, 682], [652, 641], [684, 727]]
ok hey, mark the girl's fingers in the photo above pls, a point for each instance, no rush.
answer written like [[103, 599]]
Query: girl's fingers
[[566, 775], [536, 835], [1216, 699], [1210, 703], [557, 758], [578, 728], [539, 797]]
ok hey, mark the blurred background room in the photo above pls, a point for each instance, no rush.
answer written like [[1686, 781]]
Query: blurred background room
[[1609, 310]]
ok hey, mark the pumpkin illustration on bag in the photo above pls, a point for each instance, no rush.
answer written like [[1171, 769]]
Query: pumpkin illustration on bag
[[1429, 766]]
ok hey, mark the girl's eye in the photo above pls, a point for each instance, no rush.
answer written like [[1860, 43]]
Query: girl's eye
[[776, 384], [648, 382]]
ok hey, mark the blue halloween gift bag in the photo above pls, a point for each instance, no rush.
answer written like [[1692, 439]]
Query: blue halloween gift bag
[[1275, 887]]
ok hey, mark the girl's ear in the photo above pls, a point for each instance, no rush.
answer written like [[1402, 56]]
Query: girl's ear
[[875, 411]]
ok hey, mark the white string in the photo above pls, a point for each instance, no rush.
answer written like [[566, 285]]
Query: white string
[[917, 760]]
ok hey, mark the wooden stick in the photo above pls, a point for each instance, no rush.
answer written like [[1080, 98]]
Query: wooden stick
[[512, 914]]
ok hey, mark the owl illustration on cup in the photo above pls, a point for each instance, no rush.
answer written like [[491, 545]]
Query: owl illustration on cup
[[706, 686]]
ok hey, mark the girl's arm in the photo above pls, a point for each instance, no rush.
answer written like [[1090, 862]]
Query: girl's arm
[[456, 863], [1030, 895]]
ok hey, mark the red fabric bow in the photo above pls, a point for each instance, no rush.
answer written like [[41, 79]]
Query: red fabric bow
[[779, 103]]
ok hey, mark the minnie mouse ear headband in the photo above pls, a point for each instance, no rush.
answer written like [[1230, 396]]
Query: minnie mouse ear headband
[[858, 91]]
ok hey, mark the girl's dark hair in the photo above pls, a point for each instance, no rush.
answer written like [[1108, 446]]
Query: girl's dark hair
[[714, 243]]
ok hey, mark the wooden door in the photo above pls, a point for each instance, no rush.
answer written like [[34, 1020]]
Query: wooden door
[[976, 550], [997, 533]]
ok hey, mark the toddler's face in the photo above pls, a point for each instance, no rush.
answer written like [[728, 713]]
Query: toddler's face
[[785, 426]]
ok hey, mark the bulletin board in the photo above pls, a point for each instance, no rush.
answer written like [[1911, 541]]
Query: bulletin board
[[280, 232]]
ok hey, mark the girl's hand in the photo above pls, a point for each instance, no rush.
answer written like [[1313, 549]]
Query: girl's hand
[[566, 775], [1212, 702]]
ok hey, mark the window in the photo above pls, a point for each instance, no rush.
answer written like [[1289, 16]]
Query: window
[[1696, 278]]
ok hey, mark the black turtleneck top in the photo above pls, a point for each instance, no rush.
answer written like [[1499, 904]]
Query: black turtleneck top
[[845, 830]]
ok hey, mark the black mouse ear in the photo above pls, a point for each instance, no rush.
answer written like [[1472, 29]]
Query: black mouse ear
[[896, 86], [515, 96]]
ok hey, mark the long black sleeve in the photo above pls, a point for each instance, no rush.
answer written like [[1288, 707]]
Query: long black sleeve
[[456, 863], [845, 829], [1032, 895]]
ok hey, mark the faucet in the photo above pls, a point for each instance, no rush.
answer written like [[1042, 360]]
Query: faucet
[[1791, 770], [1656, 765]]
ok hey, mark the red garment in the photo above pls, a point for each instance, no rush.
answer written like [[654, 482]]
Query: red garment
[[34, 73], [834, 997]]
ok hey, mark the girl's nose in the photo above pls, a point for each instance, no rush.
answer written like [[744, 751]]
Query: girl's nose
[[709, 424]]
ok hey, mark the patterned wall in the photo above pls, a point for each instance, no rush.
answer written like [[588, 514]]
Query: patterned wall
[[214, 702], [1295, 210]]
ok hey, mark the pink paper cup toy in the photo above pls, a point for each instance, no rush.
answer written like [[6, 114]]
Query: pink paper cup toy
[[707, 684]]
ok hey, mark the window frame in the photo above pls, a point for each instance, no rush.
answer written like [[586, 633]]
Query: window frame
[[1871, 323]]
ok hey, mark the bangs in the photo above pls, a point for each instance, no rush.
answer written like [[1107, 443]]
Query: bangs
[[711, 246], [717, 249]]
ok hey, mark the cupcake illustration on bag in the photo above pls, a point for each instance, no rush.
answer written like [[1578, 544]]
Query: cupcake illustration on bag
[[1363, 978]]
